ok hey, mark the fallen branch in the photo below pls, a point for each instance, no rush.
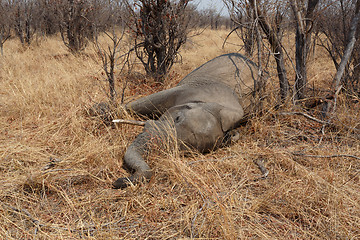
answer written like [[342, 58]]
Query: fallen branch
[[325, 156], [24, 212], [132, 122], [211, 160], [305, 115], [260, 163], [57, 170]]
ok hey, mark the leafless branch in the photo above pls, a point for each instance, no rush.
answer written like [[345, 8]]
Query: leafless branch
[[331, 156], [58, 170], [227, 36], [325, 156], [23, 212], [305, 115], [349, 47]]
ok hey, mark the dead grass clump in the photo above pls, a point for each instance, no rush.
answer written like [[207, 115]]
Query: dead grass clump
[[57, 164]]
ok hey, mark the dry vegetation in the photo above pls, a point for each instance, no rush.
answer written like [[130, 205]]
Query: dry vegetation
[[57, 164]]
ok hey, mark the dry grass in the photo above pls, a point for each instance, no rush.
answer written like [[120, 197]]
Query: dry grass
[[57, 164]]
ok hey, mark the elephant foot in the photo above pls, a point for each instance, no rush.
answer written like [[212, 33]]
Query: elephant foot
[[125, 182], [122, 183]]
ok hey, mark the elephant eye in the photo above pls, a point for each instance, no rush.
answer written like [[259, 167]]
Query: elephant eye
[[178, 118]]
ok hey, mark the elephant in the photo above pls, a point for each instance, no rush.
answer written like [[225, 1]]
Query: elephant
[[200, 111]]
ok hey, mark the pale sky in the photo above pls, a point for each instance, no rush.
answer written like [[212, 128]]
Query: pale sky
[[206, 4]]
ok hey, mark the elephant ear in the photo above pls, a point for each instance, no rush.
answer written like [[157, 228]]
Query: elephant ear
[[230, 117]]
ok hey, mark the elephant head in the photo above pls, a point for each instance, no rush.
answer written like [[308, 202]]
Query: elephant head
[[196, 125]]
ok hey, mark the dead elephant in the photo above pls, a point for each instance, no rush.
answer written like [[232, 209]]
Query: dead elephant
[[200, 111]]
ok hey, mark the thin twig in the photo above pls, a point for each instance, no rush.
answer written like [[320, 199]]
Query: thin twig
[[226, 38], [325, 156], [305, 115], [24, 212], [194, 219], [212, 160], [331, 156], [93, 228], [57, 170], [355, 175]]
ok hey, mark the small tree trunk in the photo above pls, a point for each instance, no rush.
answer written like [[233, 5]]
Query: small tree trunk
[[18, 25], [2, 44], [27, 32], [302, 43], [277, 51], [349, 47], [300, 59], [280, 67], [111, 77], [300, 52], [344, 60]]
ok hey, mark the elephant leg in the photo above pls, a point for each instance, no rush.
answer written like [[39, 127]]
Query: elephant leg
[[154, 105], [134, 160]]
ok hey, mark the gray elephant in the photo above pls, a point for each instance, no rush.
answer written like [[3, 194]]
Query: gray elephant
[[199, 112]]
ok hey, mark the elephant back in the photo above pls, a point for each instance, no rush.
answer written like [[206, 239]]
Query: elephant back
[[234, 70]]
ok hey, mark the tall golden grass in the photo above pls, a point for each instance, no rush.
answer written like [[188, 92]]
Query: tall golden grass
[[57, 164]]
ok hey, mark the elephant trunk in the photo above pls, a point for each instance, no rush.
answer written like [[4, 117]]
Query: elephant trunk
[[134, 160]]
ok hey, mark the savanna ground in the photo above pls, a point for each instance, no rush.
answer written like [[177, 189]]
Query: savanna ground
[[57, 164]]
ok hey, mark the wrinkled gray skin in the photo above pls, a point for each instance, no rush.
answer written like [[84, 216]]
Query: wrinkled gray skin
[[200, 111]]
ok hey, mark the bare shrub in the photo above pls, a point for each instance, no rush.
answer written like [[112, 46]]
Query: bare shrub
[[57, 165], [304, 18], [210, 17], [75, 26], [159, 28], [266, 18], [244, 18], [333, 35], [6, 21], [47, 17], [24, 20]]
